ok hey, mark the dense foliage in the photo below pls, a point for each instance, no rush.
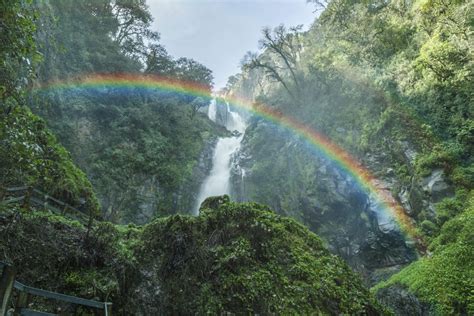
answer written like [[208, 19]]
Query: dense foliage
[[446, 278], [17, 48], [392, 83], [55, 253], [139, 147], [233, 258], [31, 155], [29, 152], [243, 258]]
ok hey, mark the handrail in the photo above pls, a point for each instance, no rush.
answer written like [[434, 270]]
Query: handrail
[[39, 198], [14, 189], [106, 306], [58, 296]]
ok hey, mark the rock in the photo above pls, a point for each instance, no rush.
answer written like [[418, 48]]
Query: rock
[[315, 191], [236, 133], [436, 186], [416, 200], [402, 302], [214, 202], [409, 153], [404, 197], [411, 199], [390, 172]]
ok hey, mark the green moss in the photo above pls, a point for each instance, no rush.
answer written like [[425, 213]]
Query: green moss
[[429, 228], [47, 215], [439, 156]]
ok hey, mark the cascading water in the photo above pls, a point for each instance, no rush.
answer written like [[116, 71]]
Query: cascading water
[[212, 110], [218, 181]]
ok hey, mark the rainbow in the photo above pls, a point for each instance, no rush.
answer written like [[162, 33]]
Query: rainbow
[[320, 142]]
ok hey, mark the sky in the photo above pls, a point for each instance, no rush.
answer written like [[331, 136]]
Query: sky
[[218, 33]]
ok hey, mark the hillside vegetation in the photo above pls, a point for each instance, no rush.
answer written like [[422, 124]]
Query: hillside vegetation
[[233, 258], [139, 147], [391, 82]]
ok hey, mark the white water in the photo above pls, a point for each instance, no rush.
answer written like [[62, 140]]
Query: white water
[[218, 181], [212, 110]]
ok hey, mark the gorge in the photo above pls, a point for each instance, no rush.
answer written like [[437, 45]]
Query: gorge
[[331, 175]]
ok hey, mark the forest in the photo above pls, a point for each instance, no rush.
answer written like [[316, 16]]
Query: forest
[[332, 175]]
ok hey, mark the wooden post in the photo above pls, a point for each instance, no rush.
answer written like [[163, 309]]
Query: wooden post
[[26, 201], [3, 192], [64, 210], [108, 309], [21, 302], [6, 286]]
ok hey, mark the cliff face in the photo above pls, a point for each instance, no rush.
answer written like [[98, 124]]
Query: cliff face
[[393, 110], [143, 160], [300, 183], [310, 188]]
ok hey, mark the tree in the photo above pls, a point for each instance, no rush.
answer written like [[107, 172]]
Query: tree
[[280, 57], [197, 104], [319, 4], [192, 71], [158, 61], [133, 20], [17, 47]]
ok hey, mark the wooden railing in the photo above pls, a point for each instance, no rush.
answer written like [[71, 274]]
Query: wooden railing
[[8, 284], [28, 196]]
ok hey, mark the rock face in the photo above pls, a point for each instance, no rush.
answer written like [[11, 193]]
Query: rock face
[[423, 193], [436, 186], [185, 198], [312, 189]]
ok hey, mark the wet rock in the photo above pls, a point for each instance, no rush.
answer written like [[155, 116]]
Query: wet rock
[[416, 200], [411, 199], [390, 172], [190, 189], [409, 152], [325, 198], [404, 197], [222, 113], [436, 186], [401, 302], [236, 133]]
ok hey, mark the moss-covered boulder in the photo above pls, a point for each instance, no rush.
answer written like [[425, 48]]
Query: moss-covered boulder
[[242, 258]]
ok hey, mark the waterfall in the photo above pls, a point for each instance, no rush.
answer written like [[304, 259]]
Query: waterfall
[[218, 181], [212, 110]]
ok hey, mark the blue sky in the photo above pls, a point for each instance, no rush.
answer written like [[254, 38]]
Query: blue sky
[[218, 33]]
